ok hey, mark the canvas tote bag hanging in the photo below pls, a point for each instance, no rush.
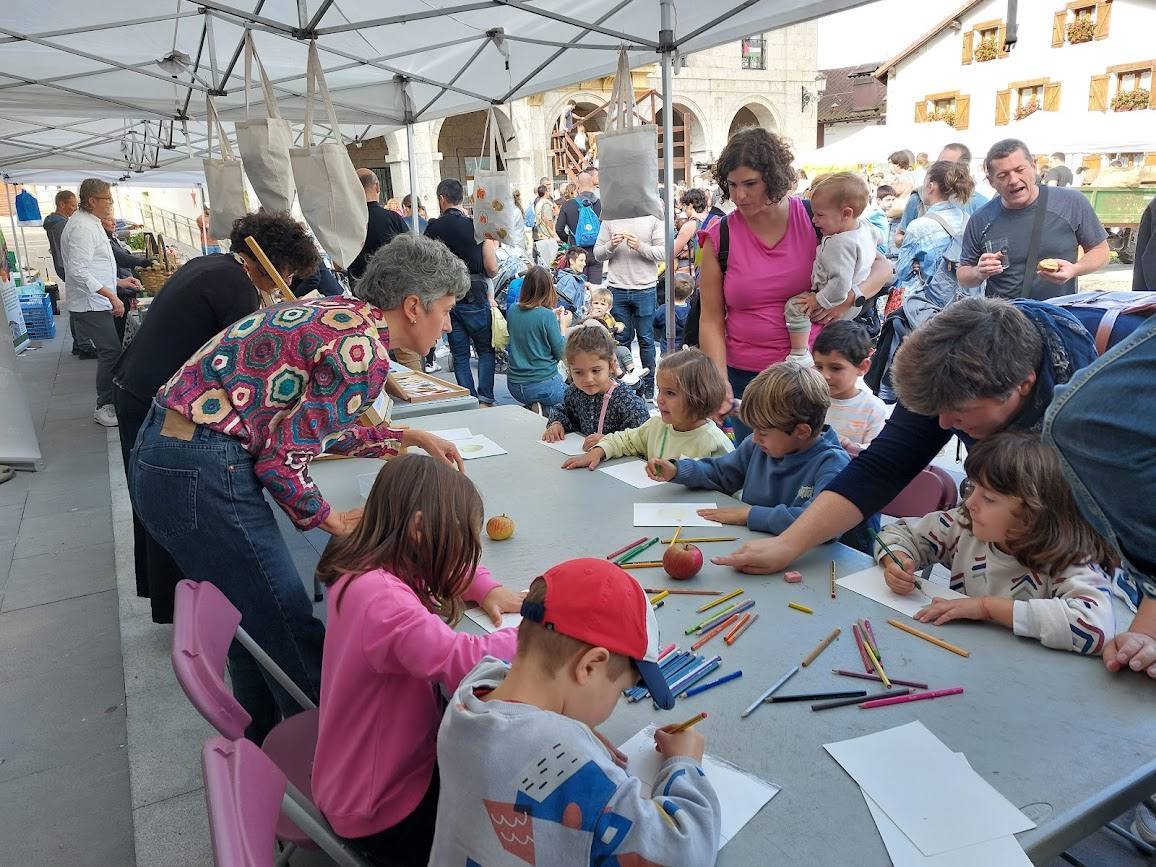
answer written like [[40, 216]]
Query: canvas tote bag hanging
[[264, 144], [224, 179], [495, 217], [329, 192], [627, 155]]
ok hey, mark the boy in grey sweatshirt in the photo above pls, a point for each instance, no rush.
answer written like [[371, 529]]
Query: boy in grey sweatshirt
[[525, 775]]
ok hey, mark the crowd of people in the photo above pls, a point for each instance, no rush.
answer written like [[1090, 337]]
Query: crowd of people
[[223, 398]]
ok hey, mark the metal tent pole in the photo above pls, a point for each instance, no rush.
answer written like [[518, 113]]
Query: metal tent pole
[[412, 160], [666, 49]]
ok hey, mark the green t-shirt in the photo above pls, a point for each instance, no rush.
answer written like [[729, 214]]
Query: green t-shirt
[[536, 344]]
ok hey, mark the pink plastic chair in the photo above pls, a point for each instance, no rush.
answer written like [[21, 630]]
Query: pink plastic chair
[[933, 490], [246, 794], [204, 625]]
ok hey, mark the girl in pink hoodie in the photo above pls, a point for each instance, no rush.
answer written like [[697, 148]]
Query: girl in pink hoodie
[[397, 583]]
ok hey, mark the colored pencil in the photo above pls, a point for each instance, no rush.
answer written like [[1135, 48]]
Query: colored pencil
[[674, 538], [659, 604], [869, 634], [832, 579], [938, 642], [662, 445], [813, 655], [818, 696], [879, 541], [681, 727], [771, 690], [734, 636], [859, 643], [667, 661], [710, 624], [716, 630], [915, 696], [697, 676], [666, 651], [674, 592], [878, 667], [862, 676], [737, 627], [799, 607], [626, 548], [662, 595], [621, 558], [634, 552], [705, 539], [641, 564], [726, 678], [724, 598], [846, 702]]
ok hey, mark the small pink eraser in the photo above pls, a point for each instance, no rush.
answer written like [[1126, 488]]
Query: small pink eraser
[[792, 577]]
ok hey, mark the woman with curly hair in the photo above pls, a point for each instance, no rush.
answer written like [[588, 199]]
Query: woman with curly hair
[[770, 252], [204, 296], [248, 413]]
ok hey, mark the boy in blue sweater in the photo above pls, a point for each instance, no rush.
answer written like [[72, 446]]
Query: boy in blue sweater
[[791, 456]]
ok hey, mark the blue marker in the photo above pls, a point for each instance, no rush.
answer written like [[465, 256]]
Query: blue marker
[[726, 678]]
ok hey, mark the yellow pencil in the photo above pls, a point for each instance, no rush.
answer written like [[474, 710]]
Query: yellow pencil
[[659, 597], [938, 642], [799, 607], [642, 564], [875, 664], [703, 539], [725, 598], [674, 538], [681, 727]]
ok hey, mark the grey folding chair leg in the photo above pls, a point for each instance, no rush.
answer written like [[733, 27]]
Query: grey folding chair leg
[[1072, 859], [278, 674], [306, 816], [287, 850], [317, 594], [1144, 848]]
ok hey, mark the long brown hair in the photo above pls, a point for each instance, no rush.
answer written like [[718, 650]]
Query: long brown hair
[[436, 558], [538, 290], [1052, 535]]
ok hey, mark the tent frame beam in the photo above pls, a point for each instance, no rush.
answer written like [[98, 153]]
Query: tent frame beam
[[110, 25], [581, 25], [403, 19]]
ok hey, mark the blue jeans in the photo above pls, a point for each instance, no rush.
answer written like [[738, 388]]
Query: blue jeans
[[739, 380], [202, 501], [471, 324], [634, 308], [548, 393], [1101, 424]]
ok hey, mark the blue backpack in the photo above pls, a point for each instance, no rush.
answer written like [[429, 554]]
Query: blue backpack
[[586, 232]]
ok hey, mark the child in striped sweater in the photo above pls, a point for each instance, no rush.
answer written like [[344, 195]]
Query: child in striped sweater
[[1018, 547]]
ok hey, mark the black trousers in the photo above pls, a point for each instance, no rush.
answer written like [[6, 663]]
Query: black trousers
[[157, 573], [408, 843]]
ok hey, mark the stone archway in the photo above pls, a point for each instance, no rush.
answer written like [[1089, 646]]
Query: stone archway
[[459, 141], [752, 114]]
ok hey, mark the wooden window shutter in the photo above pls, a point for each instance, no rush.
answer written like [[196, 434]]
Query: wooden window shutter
[[921, 111], [962, 111], [1002, 107], [1103, 17], [1059, 28], [1098, 93], [1150, 159], [1000, 47], [1052, 97], [968, 39]]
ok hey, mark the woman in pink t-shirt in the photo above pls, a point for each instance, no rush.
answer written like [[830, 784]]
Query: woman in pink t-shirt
[[770, 254]]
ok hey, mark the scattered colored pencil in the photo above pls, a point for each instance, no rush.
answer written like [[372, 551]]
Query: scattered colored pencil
[[875, 677], [626, 548], [662, 595], [879, 541], [877, 666], [859, 643], [724, 598], [813, 655], [716, 630], [832, 579], [915, 696], [799, 607], [737, 626], [734, 636], [681, 727], [846, 702], [715, 620], [674, 592], [641, 564], [818, 696], [869, 634], [666, 651], [659, 604], [705, 539], [635, 551], [771, 690], [695, 674], [674, 538], [662, 445], [726, 678], [919, 633]]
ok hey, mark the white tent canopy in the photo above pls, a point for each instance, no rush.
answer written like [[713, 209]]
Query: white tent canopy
[[83, 85]]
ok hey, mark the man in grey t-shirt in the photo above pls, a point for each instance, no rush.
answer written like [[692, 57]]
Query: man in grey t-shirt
[[1069, 223]]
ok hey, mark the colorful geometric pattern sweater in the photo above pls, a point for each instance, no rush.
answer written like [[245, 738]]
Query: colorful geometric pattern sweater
[[1074, 610], [289, 382], [521, 785]]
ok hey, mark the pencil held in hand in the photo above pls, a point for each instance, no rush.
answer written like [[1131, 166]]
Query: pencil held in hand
[[683, 726]]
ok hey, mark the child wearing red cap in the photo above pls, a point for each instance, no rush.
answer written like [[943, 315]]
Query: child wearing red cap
[[525, 774]]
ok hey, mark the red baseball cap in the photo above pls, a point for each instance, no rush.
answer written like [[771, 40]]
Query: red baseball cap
[[600, 603]]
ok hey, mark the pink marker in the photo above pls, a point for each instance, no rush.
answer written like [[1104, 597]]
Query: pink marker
[[917, 696], [665, 651]]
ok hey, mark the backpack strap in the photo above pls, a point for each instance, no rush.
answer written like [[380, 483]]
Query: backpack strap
[[1033, 259], [931, 215], [724, 244], [811, 218]]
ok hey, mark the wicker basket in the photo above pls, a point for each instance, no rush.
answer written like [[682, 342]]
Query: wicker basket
[[154, 277]]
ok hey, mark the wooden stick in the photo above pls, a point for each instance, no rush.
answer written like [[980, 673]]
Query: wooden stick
[[822, 646], [269, 269], [938, 642]]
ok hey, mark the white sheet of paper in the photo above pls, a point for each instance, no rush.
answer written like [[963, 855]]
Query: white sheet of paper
[[740, 794], [1004, 851], [481, 618], [870, 583], [365, 484], [453, 434], [920, 784], [380, 404], [478, 446], [672, 515], [631, 472], [570, 445]]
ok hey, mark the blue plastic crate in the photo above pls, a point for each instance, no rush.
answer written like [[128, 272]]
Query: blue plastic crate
[[37, 312]]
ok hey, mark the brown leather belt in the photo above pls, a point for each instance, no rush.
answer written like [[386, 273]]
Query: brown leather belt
[[177, 427]]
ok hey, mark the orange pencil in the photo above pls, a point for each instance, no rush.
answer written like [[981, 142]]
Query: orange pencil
[[731, 639], [722, 627], [730, 635]]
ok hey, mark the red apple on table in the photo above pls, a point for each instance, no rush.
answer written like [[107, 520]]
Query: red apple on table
[[682, 561]]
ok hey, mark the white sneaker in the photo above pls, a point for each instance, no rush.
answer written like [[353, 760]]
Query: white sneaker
[[803, 359], [632, 377], [1144, 825], [105, 415]]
